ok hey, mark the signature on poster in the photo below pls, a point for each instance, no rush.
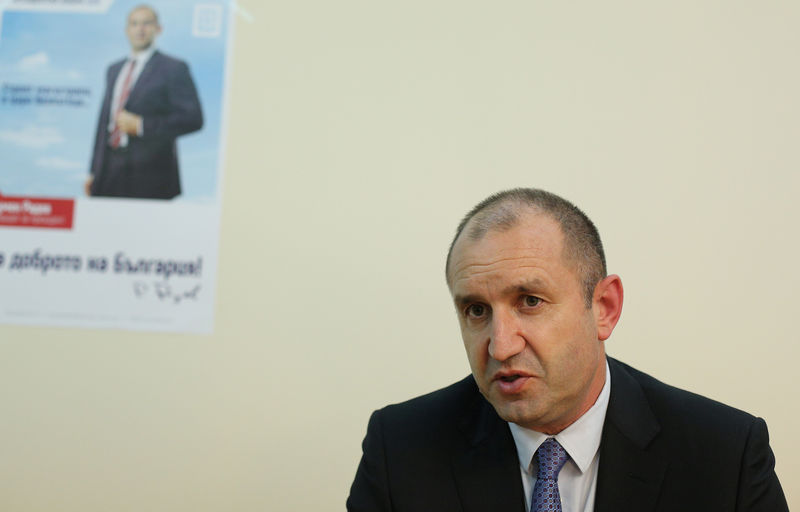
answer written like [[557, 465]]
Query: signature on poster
[[165, 291]]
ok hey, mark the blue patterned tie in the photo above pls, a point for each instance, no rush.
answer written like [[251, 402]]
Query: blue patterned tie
[[551, 458]]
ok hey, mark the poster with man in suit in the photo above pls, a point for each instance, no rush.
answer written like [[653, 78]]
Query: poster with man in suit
[[150, 100], [112, 136]]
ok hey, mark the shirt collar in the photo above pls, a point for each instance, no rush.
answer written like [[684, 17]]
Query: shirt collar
[[581, 440], [143, 56]]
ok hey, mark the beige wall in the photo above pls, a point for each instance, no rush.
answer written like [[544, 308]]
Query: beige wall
[[360, 132]]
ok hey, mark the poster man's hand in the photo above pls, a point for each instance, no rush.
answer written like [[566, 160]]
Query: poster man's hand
[[129, 123]]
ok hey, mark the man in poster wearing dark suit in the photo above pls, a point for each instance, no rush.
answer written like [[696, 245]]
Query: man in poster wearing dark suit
[[150, 100], [546, 421]]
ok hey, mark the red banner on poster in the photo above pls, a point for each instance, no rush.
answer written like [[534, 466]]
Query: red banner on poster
[[36, 212]]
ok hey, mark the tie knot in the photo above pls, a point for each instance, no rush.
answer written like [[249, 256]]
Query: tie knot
[[551, 457]]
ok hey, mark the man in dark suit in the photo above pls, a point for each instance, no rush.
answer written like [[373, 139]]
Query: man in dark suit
[[546, 421], [150, 100]]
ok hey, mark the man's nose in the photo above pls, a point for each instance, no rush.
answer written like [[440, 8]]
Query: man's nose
[[505, 340]]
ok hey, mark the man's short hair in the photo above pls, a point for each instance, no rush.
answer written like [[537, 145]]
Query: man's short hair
[[503, 210], [147, 7]]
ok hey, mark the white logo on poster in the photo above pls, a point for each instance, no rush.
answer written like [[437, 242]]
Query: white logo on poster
[[207, 20]]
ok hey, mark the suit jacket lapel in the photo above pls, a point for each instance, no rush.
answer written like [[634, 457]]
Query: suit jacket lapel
[[485, 463], [144, 76], [629, 477], [113, 73]]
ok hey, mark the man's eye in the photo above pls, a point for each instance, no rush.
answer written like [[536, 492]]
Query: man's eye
[[475, 310], [531, 301]]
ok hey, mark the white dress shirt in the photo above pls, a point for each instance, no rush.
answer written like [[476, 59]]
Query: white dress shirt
[[138, 60], [577, 481]]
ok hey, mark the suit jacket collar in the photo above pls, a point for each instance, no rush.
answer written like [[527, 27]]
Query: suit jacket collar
[[629, 478]]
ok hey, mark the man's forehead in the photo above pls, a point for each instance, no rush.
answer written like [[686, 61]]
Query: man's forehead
[[534, 234], [142, 12]]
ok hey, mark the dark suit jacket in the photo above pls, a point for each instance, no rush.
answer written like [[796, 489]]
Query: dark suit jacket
[[166, 98], [662, 449]]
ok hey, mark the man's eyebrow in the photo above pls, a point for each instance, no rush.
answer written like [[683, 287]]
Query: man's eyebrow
[[532, 286], [462, 300]]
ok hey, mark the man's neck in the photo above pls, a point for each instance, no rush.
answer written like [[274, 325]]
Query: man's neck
[[137, 54]]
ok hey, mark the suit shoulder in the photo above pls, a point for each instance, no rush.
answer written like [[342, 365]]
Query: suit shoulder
[[443, 406], [169, 60], [118, 63], [451, 397], [684, 406]]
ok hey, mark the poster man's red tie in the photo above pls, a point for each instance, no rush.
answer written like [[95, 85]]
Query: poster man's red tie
[[116, 134]]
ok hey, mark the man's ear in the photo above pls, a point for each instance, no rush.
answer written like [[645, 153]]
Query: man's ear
[[607, 305]]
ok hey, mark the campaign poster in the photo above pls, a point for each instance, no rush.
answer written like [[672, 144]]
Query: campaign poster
[[112, 139]]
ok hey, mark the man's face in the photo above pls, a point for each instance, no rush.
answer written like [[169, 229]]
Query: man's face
[[532, 344], [142, 29]]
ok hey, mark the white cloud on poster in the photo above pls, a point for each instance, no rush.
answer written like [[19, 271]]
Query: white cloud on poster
[[33, 137], [58, 163], [57, 5], [91, 6], [34, 62]]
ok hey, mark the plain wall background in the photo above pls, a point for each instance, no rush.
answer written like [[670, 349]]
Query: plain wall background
[[360, 132]]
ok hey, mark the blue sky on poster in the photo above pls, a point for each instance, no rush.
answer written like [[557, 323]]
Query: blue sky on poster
[[45, 150]]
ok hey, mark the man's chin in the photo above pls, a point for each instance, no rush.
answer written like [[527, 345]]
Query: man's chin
[[516, 411], [140, 47]]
